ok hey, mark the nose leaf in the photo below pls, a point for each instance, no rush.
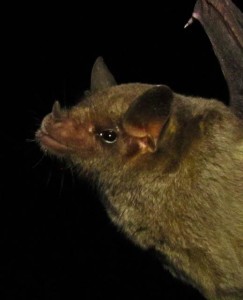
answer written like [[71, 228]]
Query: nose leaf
[[56, 111]]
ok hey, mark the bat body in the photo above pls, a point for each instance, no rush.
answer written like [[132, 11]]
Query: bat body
[[170, 169]]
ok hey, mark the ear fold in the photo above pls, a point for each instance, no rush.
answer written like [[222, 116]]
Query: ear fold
[[147, 115], [101, 77]]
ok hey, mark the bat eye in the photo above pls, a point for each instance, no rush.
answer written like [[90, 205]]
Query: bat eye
[[109, 136]]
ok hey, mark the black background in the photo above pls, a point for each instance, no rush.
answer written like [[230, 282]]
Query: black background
[[55, 235]]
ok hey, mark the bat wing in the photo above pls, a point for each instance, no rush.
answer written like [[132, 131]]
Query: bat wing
[[223, 23]]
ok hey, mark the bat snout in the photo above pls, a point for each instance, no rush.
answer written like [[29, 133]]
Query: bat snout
[[53, 135], [61, 134]]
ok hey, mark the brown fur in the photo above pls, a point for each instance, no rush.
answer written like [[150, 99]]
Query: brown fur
[[175, 187]]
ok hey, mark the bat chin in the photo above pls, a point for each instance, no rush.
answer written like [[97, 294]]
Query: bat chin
[[50, 144]]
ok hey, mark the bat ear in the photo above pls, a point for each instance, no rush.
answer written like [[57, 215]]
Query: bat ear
[[101, 77], [147, 115]]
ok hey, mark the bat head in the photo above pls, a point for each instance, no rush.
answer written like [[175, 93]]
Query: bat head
[[113, 124]]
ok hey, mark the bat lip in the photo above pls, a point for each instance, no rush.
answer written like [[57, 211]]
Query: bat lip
[[49, 143]]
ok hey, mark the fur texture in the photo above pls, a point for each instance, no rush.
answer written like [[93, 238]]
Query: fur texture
[[170, 172]]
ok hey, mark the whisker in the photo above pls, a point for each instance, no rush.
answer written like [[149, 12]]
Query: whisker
[[61, 184], [30, 140], [48, 178], [39, 161], [72, 176]]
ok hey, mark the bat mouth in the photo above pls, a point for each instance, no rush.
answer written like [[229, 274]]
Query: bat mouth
[[49, 143]]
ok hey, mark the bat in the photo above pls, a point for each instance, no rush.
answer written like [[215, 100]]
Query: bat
[[169, 166]]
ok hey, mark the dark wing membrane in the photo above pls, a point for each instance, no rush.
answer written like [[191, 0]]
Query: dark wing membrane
[[223, 23]]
